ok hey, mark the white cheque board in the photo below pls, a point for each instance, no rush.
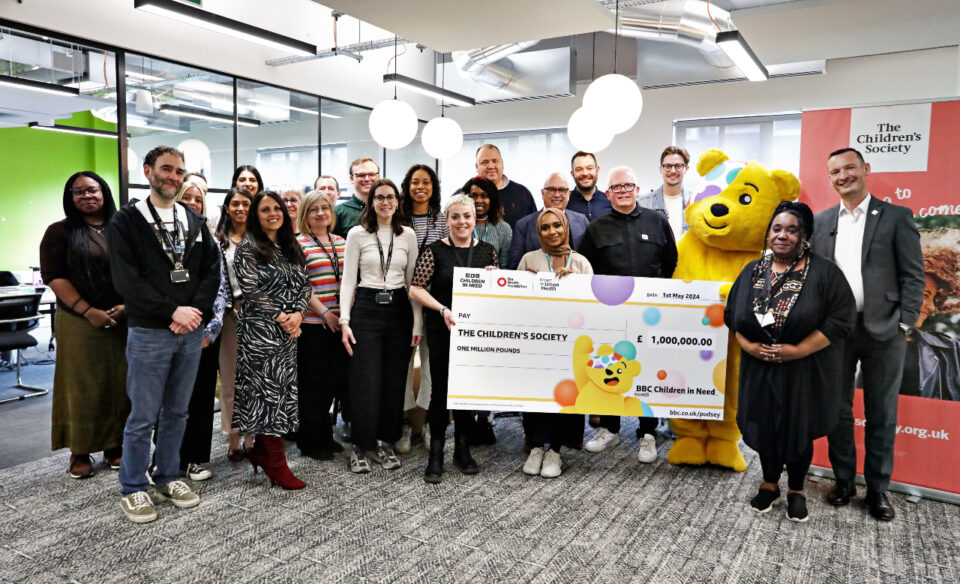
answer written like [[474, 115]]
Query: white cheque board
[[587, 344]]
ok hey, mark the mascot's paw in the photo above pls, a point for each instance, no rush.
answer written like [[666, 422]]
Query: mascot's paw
[[725, 453], [687, 450]]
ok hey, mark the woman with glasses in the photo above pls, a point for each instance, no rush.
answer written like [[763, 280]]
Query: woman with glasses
[[230, 232], [291, 196], [379, 324], [321, 357], [90, 404]]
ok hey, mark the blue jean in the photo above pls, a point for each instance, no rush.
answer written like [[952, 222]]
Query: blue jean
[[161, 368]]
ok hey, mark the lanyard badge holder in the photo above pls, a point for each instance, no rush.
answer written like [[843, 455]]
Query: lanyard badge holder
[[334, 260], [384, 296], [178, 275]]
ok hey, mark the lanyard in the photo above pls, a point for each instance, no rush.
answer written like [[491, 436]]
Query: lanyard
[[384, 265], [174, 242], [550, 261], [334, 259], [456, 253]]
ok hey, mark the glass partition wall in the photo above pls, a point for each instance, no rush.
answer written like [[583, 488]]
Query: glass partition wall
[[217, 120]]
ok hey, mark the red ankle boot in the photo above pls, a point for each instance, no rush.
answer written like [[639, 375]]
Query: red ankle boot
[[273, 459], [258, 454]]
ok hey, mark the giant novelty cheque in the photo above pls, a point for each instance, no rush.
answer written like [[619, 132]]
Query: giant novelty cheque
[[587, 344]]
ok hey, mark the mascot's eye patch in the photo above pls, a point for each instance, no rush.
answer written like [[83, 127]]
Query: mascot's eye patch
[[745, 199]]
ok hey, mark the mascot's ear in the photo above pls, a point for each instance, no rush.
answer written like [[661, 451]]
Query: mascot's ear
[[633, 368], [787, 184], [709, 160]]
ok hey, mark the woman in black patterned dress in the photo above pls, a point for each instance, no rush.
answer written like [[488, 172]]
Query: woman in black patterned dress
[[270, 268], [432, 288]]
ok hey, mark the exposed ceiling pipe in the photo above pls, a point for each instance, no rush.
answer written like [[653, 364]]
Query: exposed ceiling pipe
[[679, 21], [490, 65]]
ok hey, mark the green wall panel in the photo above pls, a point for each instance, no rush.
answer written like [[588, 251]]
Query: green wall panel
[[35, 165]]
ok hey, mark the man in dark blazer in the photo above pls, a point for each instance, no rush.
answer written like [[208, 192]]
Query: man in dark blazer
[[877, 246]]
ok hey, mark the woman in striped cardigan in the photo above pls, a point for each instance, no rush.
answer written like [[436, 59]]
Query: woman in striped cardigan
[[321, 357]]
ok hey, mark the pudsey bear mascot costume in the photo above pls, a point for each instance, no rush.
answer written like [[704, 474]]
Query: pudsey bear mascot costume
[[728, 221]]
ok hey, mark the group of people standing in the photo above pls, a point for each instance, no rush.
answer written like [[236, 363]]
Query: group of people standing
[[298, 301]]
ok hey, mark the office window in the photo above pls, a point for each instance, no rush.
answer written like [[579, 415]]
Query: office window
[[344, 137], [283, 146], [528, 158], [772, 140], [185, 107]]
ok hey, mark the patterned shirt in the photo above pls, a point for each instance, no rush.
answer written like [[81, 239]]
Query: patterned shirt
[[323, 278]]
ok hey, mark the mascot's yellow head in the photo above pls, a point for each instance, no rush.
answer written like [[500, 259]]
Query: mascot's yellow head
[[612, 371], [732, 210]]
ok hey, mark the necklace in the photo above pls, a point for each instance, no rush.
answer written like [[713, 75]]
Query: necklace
[[98, 228]]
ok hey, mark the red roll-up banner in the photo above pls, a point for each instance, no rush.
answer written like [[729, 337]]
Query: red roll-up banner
[[915, 162]]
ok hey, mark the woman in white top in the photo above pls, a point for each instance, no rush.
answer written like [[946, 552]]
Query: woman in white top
[[379, 324], [230, 232]]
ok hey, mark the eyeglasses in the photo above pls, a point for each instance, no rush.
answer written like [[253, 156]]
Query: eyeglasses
[[669, 167], [367, 175], [557, 190], [624, 188], [384, 198], [80, 191]]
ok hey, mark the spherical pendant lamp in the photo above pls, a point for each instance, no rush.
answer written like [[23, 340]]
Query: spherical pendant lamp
[[393, 124], [587, 132], [442, 138], [616, 100]]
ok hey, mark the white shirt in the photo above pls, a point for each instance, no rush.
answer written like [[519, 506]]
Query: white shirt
[[848, 252], [673, 205]]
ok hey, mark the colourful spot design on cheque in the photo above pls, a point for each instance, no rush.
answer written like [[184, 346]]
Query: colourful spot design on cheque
[[651, 316], [611, 290]]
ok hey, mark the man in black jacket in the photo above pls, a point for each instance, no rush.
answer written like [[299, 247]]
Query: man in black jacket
[[166, 267], [628, 241]]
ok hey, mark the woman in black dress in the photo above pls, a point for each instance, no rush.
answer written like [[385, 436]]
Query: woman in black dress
[[789, 310], [270, 269], [432, 288]]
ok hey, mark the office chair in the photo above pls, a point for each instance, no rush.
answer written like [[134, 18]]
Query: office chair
[[18, 315]]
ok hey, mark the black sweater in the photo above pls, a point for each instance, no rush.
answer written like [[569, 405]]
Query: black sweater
[[141, 269], [639, 244]]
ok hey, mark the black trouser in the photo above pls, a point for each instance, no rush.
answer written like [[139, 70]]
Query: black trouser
[[772, 465], [882, 365], [198, 434], [645, 425], [555, 430], [438, 341], [378, 368], [321, 375]]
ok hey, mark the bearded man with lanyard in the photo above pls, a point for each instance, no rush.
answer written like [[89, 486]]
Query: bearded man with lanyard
[[166, 266]]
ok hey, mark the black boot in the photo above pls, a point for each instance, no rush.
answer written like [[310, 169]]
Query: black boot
[[434, 471], [461, 454]]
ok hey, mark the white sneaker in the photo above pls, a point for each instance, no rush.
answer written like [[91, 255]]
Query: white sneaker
[[551, 465], [196, 472], [534, 462], [602, 440], [403, 444], [648, 449]]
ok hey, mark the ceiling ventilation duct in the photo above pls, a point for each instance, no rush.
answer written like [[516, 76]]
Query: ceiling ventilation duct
[[490, 65], [679, 21]]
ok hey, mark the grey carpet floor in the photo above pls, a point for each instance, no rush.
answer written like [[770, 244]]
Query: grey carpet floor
[[607, 519]]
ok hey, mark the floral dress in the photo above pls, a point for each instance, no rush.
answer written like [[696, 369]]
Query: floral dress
[[266, 387]]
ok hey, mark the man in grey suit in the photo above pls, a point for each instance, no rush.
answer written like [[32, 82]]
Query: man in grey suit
[[671, 197], [877, 246]]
